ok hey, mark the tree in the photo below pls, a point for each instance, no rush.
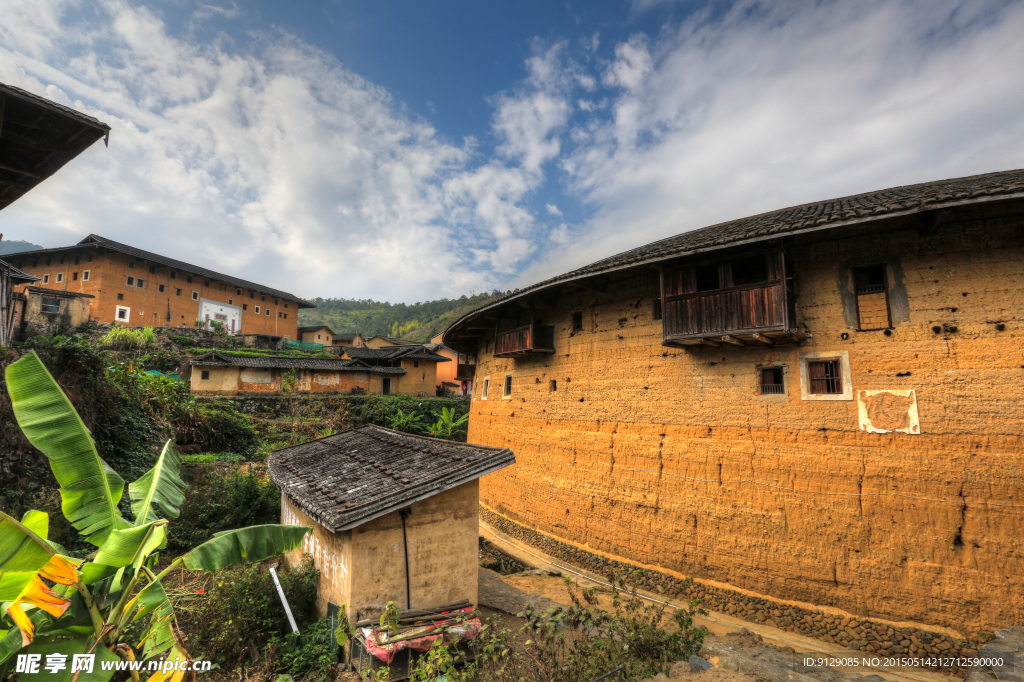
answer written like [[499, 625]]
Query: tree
[[91, 603]]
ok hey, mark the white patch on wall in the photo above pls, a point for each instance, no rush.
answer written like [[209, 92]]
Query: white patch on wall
[[359, 377], [229, 315], [327, 378], [330, 564], [252, 375], [888, 411]]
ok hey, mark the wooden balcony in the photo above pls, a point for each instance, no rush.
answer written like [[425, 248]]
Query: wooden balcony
[[753, 313], [465, 372], [526, 340]]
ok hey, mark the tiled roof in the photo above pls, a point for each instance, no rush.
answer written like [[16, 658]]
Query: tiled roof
[[816, 216], [315, 327], [96, 240], [416, 352], [17, 276], [215, 359], [360, 474], [37, 138], [56, 293], [346, 336]]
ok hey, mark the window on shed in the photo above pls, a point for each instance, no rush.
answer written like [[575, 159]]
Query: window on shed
[[872, 297], [577, 322], [826, 377], [415, 364], [50, 305], [206, 375], [772, 381]]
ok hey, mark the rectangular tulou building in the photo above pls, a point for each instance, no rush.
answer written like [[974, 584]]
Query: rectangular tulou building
[[141, 289], [819, 406]]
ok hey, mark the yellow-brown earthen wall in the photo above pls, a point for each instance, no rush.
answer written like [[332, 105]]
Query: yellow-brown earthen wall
[[108, 274], [422, 379], [670, 458]]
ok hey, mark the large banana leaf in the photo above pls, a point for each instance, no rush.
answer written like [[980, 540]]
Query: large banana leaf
[[132, 546], [235, 547], [159, 636], [89, 488], [11, 640], [66, 650], [26, 558], [176, 654], [161, 485]]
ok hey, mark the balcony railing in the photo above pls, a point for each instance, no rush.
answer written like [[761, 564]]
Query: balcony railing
[[465, 372], [532, 338], [734, 311]]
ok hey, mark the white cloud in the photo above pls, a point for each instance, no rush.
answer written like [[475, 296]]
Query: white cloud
[[276, 163], [776, 104], [553, 210]]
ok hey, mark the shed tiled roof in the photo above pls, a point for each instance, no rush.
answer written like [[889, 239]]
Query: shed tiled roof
[[96, 240], [215, 359], [800, 219], [346, 336], [360, 474], [56, 293], [315, 327]]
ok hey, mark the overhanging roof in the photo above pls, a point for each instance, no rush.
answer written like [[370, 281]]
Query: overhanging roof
[[802, 219], [94, 240], [215, 359], [37, 137], [360, 474], [17, 276]]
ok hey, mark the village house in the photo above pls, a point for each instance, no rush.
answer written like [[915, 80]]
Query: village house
[[419, 362], [456, 375], [37, 137], [384, 341], [323, 335], [45, 311], [821, 404], [142, 289], [394, 516], [231, 374]]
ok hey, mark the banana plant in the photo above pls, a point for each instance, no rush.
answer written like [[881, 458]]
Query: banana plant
[[447, 426], [60, 608]]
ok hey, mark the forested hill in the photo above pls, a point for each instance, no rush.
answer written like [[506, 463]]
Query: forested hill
[[414, 322], [16, 246]]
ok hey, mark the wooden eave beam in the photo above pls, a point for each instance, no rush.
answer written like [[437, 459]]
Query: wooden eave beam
[[763, 339], [731, 339], [796, 336], [598, 284], [20, 171]]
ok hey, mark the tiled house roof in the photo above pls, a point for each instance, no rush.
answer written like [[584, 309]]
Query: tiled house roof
[[96, 240], [816, 216], [315, 327], [17, 276], [416, 352], [37, 138], [215, 359], [360, 474]]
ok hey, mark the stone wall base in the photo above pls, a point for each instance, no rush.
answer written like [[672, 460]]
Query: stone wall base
[[934, 651]]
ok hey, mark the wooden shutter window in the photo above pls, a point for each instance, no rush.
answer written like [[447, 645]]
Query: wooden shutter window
[[826, 377], [771, 381], [872, 298]]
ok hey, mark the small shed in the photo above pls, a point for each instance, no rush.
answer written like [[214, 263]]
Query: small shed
[[395, 516]]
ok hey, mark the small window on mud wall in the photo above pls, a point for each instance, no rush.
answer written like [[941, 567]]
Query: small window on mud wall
[[206, 375], [577, 322], [872, 298], [506, 389], [772, 381], [123, 313], [826, 377], [50, 306], [487, 385]]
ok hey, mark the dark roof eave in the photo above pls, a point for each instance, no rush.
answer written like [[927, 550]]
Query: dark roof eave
[[568, 278], [171, 263]]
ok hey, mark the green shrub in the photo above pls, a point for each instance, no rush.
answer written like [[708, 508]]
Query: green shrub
[[311, 651], [183, 340], [219, 427], [382, 409], [211, 457], [123, 338], [216, 501], [240, 607]]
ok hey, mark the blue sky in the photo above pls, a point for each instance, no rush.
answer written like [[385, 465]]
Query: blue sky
[[412, 150]]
